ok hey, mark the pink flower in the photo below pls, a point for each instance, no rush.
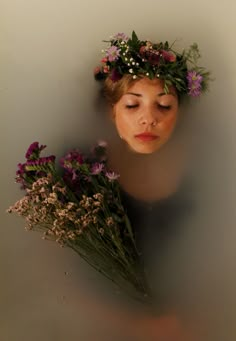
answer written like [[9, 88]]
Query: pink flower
[[106, 69], [104, 60], [102, 143], [112, 176], [112, 53], [168, 56], [97, 70], [121, 36], [97, 168]]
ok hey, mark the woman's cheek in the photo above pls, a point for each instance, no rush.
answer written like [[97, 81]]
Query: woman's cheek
[[169, 124]]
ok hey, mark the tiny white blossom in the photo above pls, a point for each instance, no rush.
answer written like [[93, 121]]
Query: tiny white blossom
[[131, 71], [147, 74], [134, 76], [133, 63]]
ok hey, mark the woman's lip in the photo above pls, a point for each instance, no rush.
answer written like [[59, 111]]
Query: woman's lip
[[146, 137]]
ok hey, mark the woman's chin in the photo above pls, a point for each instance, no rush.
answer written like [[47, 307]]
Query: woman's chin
[[143, 148]]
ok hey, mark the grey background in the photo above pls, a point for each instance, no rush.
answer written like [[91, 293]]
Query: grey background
[[47, 93]]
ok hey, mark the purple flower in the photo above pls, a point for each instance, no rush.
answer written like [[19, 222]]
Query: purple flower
[[72, 159], [21, 169], [112, 176], [43, 161], [112, 53], [115, 75], [97, 168], [34, 150], [121, 36], [194, 83]]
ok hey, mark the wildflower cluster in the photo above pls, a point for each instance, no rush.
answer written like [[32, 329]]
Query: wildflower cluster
[[154, 60], [79, 206]]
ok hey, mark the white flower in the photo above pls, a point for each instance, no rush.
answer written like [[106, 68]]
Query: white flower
[[131, 70]]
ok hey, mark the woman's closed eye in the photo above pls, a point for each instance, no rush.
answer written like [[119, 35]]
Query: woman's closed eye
[[164, 107], [131, 106]]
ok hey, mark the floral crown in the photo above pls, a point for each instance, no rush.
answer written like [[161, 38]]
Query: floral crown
[[154, 60]]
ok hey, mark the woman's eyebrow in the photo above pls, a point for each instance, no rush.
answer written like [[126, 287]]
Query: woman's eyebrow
[[133, 93], [169, 93]]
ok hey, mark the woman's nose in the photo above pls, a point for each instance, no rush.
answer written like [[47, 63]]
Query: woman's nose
[[148, 117]]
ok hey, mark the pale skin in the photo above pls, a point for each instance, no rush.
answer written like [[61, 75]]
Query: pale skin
[[150, 169], [145, 107]]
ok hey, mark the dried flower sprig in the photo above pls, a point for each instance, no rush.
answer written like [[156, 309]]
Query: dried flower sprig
[[79, 206]]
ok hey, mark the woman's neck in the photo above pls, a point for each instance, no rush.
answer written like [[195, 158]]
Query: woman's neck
[[147, 176]]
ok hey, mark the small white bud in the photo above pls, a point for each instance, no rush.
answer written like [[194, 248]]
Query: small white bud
[[134, 76], [131, 71], [133, 63]]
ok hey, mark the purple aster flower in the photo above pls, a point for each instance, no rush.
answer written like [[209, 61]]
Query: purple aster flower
[[97, 168], [112, 176], [112, 53], [194, 83], [121, 36], [34, 150]]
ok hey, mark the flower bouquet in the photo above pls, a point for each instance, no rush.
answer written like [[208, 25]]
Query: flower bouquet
[[78, 204]]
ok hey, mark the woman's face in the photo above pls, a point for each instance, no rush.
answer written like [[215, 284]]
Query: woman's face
[[145, 116]]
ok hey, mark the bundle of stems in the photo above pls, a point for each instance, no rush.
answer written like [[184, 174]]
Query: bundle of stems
[[78, 204]]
